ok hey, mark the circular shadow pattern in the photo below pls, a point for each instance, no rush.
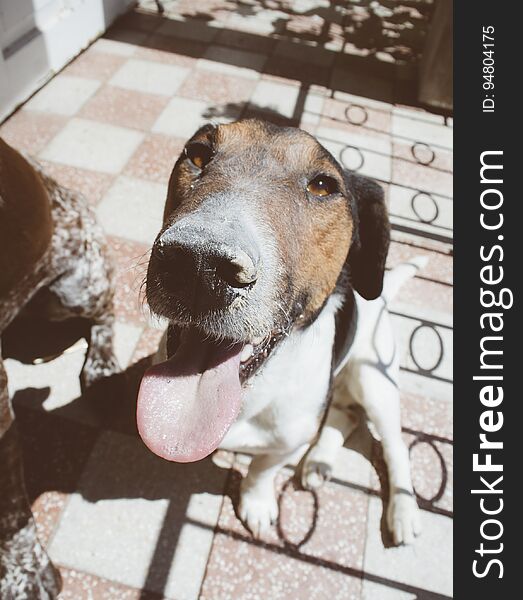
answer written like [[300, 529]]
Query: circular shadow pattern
[[308, 534], [443, 467], [421, 332], [352, 158], [425, 207], [356, 114], [422, 153]]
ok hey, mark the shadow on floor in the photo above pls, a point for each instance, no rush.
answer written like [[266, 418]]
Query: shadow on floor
[[58, 447]]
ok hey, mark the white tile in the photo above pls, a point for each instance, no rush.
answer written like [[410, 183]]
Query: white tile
[[375, 143], [114, 47], [133, 208], [232, 62], [356, 158], [352, 466], [377, 591], [91, 145], [430, 343], [59, 378], [314, 103], [406, 206], [418, 115], [427, 564], [305, 6], [126, 337], [254, 23], [421, 131], [63, 95], [275, 96], [128, 520], [312, 109], [57, 382], [363, 101], [149, 77], [182, 117], [421, 385]]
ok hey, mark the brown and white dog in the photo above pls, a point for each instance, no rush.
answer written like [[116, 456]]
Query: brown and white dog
[[267, 253], [53, 262]]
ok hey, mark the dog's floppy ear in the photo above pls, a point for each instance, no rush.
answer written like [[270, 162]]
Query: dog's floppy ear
[[370, 244]]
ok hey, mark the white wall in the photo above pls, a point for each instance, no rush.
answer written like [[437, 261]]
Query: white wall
[[38, 37]]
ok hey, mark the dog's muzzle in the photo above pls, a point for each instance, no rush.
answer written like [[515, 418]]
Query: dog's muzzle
[[206, 265]]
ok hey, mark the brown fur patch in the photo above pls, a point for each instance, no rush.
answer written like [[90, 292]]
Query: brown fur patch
[[25, 218]]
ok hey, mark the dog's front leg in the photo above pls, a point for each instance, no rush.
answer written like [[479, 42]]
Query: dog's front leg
[[25, 569], [258, 507], [403, 517], [318, 465], [100, 361]]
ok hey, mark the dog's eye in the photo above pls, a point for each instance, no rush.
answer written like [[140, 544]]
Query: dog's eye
[[322, 185], [198, 154]]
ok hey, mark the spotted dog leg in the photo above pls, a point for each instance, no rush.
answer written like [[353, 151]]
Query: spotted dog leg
[[100, 361], [85, 285], [26, 573]]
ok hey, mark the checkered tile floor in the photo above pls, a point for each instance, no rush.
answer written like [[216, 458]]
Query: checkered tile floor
[[121, 523]]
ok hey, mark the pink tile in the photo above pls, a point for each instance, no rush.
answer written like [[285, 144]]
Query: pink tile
[[356, 113], [155, 158], [91, 184], [94, 65], [431, 464], [147, 344], [432, 469], [171, 50], [423, 243], [371, 139], [426, 415], [131, 260], [424, 293], [438, 268], [421, 177], [420, 153], [126, 108], [78, 585], [216, 87], [317, 554], [31, 131], [47, 510]]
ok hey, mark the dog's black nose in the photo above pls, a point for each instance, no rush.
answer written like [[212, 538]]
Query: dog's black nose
[[203, 267]]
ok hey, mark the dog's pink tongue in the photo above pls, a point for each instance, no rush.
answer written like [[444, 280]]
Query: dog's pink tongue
[[187, 403]]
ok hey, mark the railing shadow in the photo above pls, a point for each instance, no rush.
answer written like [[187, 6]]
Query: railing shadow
[[342, 24]]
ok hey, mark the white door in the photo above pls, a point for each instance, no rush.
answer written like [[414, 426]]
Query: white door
[[39, 37]]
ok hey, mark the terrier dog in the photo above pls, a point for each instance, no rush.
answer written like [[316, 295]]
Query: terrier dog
[[269, 267]]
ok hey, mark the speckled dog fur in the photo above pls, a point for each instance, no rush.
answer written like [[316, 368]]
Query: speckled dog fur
[[71, 277]]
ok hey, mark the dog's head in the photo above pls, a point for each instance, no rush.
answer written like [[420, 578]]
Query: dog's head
[[261, 223]]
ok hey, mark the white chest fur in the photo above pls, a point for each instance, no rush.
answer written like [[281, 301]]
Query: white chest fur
[[282, 403]]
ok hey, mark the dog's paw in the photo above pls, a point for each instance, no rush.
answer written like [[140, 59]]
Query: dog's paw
[[258, 509], [316, 470], [403, 518]]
